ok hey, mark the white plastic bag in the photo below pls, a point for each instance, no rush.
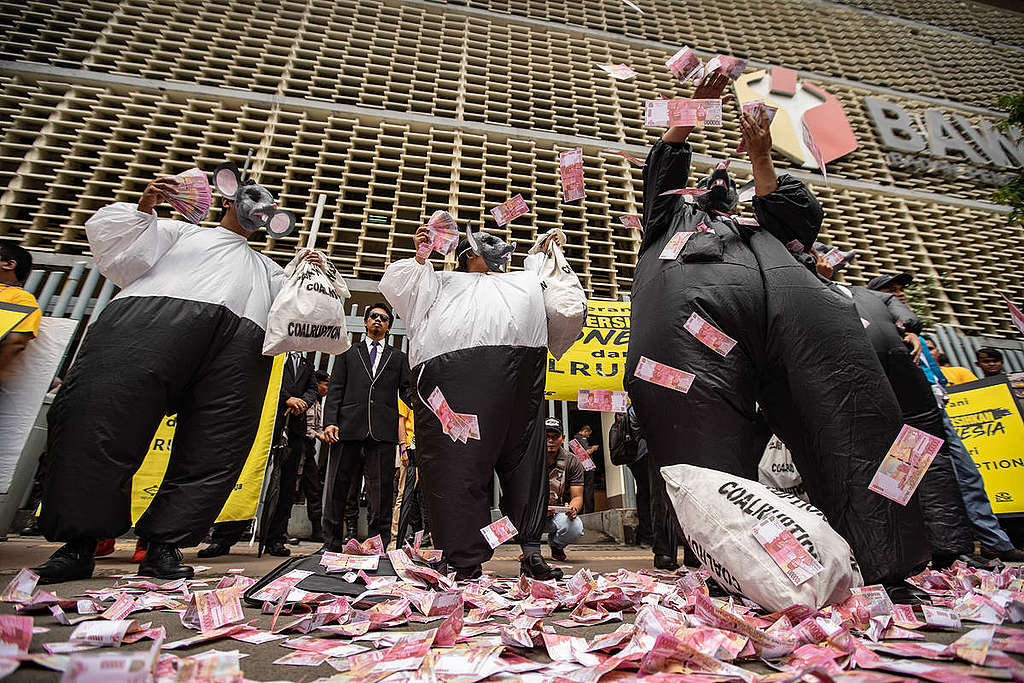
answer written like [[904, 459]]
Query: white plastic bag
[[717, 512], [777, 470], [565, 302], [309, 312]]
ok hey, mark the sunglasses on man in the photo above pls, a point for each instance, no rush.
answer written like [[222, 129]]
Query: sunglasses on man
[[383, 317]]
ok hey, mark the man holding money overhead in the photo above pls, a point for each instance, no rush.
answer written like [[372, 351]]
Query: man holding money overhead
[[724, 319], [478, 348]]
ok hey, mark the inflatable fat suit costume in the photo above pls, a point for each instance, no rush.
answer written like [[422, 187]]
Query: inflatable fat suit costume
[[481, 338], [184, 335], [801, 354]]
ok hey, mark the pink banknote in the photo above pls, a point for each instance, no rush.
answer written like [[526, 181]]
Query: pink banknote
[[619, 72], [631, 221], [581, 453], [725, 64], [675, 245], [21, 587], [788, 553], [815, 151], [683, 112], [905, 464], [498, 532], [685, 64], [570, 165], [754, 109], [444, 235], [628, 157], [604, 400], [340, 562], [663, 375], [510, 209], [709, 335]]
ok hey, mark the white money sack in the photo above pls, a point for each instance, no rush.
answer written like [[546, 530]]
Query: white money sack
[[309, 312], [717, 512], [777, 470], [565, 302]]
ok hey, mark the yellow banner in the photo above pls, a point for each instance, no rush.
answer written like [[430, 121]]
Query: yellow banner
[[241, 504], [987, 419], [597, 360]]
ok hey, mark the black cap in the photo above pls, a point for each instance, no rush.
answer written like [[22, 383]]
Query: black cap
[[553, 424], [877, 283]]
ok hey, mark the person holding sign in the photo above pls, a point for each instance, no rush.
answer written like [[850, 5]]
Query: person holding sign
[[20, 312], [184, 336], [728, 320], [478, 337]]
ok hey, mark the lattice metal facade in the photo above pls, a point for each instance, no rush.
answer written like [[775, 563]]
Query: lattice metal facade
[[396, 109]]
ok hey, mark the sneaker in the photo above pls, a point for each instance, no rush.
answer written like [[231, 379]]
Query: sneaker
[[214, 550], [71, 562], [558, 554], [665, 562], [1011, 555], [163, 561], [104, 547], [140, 551], [535, 567]]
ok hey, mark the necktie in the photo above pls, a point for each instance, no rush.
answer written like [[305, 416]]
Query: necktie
[[373, 356]]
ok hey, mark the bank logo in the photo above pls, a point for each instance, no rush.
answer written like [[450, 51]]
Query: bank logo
[[800, 104]]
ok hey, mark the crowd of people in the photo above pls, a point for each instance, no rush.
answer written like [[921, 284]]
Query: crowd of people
[[834, 371]]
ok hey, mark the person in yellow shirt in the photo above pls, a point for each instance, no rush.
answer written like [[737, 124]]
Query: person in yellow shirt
[[954, 373], [15, 265], [408, 511]]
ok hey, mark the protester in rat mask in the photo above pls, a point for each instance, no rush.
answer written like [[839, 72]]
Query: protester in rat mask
[[184, 336], [800, 350], [479, 336]]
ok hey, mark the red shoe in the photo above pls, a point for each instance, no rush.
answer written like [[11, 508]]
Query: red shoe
[[140, 551], [104, 547]]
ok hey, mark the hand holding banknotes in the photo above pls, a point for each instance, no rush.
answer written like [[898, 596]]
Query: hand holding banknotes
[[421, 236], [757, 137], [708, 88], [156, 193]]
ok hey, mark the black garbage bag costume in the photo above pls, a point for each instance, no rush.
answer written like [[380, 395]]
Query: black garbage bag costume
[[801, 354], [949, 529], [481, 338], [185, 336]]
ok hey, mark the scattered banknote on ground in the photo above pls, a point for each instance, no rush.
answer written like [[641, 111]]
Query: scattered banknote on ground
[[210, 610], [709, 335], [619, 72], [603, 400], [510, 209], [683, 112], [570, 166], [663, 375], [755, 109], [788, 553], [340, 562], [21, 587], [498, 532], [905, 464], [581, 454], [685, 64]]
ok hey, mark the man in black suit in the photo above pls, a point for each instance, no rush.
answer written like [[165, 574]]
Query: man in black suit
[[298, 392], [361, 420]]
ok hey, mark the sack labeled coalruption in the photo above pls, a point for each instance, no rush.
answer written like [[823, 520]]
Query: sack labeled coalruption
[[309, 312], [777, 470], [565, 302], [718, 512]]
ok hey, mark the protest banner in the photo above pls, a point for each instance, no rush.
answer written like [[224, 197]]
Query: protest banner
[[989, 421], [241, 504], [598, 358]]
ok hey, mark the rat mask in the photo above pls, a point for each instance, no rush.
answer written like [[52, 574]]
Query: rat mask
[[722, 195], [255, 207], [495, 251]]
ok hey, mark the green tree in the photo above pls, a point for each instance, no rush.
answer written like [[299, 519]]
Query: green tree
[[1012, 193]]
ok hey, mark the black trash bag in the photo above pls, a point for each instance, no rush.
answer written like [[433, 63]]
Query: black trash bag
[[801, 354]]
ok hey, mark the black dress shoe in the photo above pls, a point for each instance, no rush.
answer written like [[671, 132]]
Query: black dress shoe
[[163, 561], [665, 562], [535, 567], [278, 550], [214, 550], [1011, 555], [558, 554], [72, 561], [905, 594]]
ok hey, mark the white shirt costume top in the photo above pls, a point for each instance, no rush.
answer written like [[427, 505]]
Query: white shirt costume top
[[449, 311], [147, 256]]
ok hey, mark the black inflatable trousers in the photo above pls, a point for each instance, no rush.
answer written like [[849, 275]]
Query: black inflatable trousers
[[143, 358], [504, 387], [801, 354]]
